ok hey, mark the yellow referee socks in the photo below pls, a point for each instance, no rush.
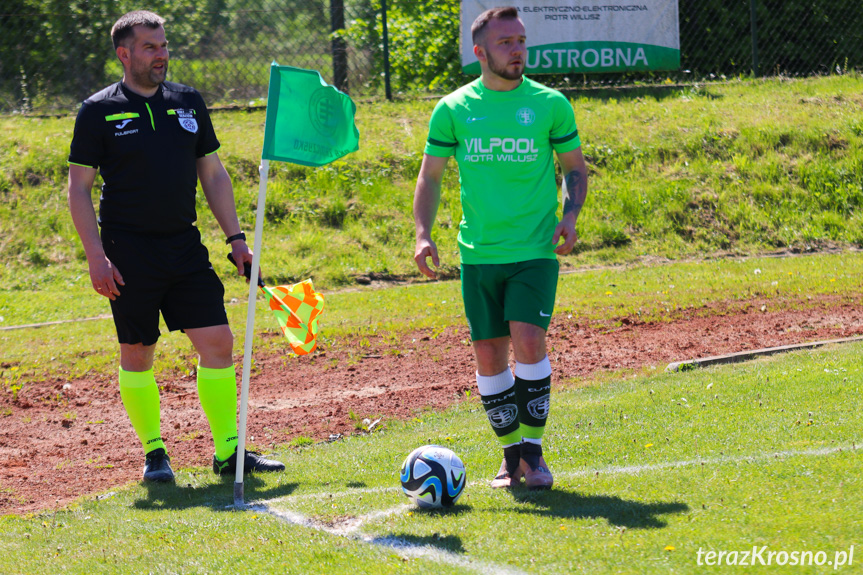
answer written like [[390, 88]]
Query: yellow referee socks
[[141, 399], [217, 390]]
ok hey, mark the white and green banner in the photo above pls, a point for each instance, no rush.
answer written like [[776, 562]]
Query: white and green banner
[[566, 36]]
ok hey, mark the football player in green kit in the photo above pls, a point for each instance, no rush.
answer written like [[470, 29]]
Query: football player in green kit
[[503, 130]]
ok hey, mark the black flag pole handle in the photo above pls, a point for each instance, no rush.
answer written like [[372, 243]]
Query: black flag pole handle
[[247, 270]]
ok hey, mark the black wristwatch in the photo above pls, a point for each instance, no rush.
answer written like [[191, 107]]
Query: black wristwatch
[[239, 236]]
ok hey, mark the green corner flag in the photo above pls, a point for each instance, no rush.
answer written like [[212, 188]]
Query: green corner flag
[[308, 122]]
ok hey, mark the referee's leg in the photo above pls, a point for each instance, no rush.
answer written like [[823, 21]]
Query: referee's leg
[[217, 384], [137, 357], [217, 391], [214, 344], [140, 396]]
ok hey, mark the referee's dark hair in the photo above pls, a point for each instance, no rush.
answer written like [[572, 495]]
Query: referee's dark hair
[[123, 28], [477, 29]]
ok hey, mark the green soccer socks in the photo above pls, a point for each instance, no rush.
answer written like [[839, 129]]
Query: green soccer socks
[[141, 399], [499, 400], [217, 390], [533, 396]]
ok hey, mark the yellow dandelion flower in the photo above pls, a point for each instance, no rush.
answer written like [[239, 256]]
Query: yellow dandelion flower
[[649, 445], [669, 547]]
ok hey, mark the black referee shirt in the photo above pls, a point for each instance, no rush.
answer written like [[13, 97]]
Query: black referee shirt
[[145, 149]]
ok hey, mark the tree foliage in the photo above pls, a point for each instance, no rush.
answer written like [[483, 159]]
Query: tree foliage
[[59, 51], [54, 48], [424, 42]]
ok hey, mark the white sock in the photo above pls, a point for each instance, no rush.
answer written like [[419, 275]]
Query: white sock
[[494, 384], [533, 371]]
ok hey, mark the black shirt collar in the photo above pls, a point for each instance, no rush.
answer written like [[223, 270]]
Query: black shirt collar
[[135, 97]]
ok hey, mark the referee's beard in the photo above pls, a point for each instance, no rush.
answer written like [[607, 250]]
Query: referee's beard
[[149, 77]]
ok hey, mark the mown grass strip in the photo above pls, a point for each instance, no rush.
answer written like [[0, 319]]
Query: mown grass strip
[[650, 470], [742, 168]]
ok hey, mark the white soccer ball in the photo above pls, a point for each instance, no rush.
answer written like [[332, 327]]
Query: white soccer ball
[[433, 476]]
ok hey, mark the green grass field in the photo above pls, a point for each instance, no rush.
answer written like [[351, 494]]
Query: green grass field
[[648, 472], [737, 168], [690, 189]]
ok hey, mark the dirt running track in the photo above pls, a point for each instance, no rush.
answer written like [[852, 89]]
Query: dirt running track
[[47, 460]]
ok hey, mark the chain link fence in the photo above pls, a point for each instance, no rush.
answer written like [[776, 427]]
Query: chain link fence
[[771, 37], [54, 53]]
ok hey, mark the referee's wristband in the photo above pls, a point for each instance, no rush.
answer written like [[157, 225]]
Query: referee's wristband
[[239, 236]]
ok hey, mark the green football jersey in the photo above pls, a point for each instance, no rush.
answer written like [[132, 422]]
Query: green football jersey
[[503, 143]]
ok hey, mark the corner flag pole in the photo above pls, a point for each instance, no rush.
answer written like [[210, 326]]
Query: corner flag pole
[[264, 171], [309, 123]]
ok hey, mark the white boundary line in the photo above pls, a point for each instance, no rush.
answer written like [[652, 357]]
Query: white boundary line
[[637, 469], [404, 548], [613, 470], [58, 322]]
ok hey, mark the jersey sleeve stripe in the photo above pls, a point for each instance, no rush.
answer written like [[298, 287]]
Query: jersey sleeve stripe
[[564, 139], [214, 151], [125, 116], [434, 142], [82, 165]]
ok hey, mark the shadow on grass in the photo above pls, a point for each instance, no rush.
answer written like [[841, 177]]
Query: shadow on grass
[[451, 543], [453, 511], [218, 496], [567, 505]]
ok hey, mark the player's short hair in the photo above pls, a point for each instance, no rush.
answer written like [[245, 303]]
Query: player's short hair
[[477, 29], [124, 27]]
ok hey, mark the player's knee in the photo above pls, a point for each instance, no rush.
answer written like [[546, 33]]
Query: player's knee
[[491, 355], [530, 348], [225, 343], [136, 357], [215, 347]]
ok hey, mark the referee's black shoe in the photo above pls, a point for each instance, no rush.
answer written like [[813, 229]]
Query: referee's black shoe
[[252, 462], [157, 467]]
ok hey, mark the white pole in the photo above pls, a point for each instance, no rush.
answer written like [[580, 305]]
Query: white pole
[[264, 171]]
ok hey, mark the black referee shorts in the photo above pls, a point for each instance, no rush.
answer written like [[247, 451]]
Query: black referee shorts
[[171, 275]]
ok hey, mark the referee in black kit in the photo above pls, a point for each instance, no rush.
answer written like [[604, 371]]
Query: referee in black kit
[[152, 141]]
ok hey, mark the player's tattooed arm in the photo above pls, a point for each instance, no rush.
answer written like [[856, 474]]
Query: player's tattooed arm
[[575, 181], [576, 191], [574, 170]]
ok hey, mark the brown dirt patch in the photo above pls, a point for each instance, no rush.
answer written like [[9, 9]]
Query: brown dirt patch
[[64, 439]]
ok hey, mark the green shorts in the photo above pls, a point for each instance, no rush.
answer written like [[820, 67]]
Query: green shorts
[[496, 294]]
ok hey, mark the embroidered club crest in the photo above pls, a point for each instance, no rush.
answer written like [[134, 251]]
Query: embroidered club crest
[[525, 116], [187, 120]]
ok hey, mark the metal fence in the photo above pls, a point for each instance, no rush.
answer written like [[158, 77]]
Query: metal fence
[[55, 53]]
